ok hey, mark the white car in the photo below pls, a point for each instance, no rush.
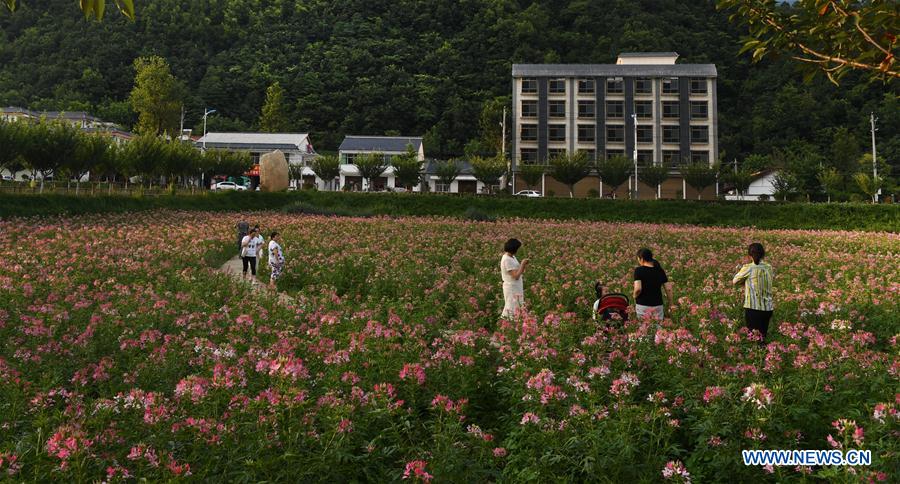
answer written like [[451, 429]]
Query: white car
[[529, 194], [7, 178], [227, 185]]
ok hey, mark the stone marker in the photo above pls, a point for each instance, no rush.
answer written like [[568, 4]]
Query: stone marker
[[273, 172]]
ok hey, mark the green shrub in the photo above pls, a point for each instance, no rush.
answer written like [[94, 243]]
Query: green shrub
[[303, 208], [476, 215]]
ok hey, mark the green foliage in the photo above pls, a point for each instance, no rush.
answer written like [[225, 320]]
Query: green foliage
[[831, 181], [371, 166], [91, 152], [868, 184], [570, 168], [488, 170], [739, 180], [274, 118], [157, 97], [654, 175], [833, 37], [785, 185], [477, 215], [327, 168], [614, 171], [304, 208], [93, 8], [48, 147], [407, 168], [447, 171], [228, 163], [531, 174], [835, 216], [699, 176], [12, 139]]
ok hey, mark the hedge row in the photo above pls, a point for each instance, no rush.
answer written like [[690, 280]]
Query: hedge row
[[837, 216]]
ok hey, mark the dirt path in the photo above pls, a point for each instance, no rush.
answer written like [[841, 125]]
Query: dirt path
[[235, 268]]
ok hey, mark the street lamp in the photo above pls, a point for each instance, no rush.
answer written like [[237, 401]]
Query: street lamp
[[206, 112]]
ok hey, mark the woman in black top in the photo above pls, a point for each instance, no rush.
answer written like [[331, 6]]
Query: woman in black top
[[649, 281]]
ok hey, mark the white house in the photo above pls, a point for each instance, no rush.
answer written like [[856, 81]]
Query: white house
[[389, 146], [465, 182], [763, 185], [297, 148]]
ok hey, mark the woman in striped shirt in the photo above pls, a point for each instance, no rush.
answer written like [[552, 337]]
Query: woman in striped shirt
[[757, 278]]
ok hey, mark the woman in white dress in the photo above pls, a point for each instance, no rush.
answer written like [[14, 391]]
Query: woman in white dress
[[511, 271]]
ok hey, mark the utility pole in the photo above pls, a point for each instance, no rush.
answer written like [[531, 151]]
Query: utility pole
[[206, 112], [634, 124], [873, 119], [503, 136], [181, 129]]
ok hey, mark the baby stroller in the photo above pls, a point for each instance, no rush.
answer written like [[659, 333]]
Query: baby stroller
[[609, 307]]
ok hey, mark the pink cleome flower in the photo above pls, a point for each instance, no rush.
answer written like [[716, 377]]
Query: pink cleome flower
[[416, 470]]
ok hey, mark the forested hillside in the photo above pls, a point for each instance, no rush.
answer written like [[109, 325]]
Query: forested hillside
[[418, 67]]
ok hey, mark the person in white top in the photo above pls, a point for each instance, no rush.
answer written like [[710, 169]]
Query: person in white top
[[276, 260], [250, 247], [511, 271]]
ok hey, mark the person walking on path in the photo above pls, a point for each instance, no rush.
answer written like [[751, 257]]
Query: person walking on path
[[758, 278], [511, 271], [250, 247], [276, 260], [649, 281], [243, 228]]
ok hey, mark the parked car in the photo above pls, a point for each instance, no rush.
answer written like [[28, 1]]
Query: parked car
[[7, 178], [529, 194], [227, 185]]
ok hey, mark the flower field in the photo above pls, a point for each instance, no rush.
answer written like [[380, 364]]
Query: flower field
[[125, 355]]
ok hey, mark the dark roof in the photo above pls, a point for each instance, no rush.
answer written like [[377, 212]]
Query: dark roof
[[602, 70], [648, 54], [465, 167], [380, 144]]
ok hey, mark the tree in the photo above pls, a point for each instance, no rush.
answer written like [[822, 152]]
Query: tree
[[488, 170], [785, 185], [95, 8], [156, 97], [831, 36], [12, 139], [274, 117], [654, 175], [295, 173], [532, 174], [143, 156], [91, 151], [371, 166], [327, 168], [614, 171], [739, 179], [831, 180], [570, 168], [845, 150], [227, 163], [699, 176], [407, 168], [49, 147], [447, 171], [868, 184]]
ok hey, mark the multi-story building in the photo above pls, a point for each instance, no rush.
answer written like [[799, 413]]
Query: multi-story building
[[645, 105]]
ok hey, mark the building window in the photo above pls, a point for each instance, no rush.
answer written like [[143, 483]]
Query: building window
[[528, 155], [615, 134], [671, 157], [585, 86], [699, 157], [557, 132], [590, 154], [671, 110], [615, 109], [643, 109], [586, 109], [699, 134], [698, 86], [441, 187], [529, 109], [615, 86], [350, 158], [528, 132], [671, 134], [699, 110], [555, 153], [557, 86], [557, 109], [643, 85], [645, 134], [586, 133], [529, 86], [612, 153], [645, 157], [670, 85]]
